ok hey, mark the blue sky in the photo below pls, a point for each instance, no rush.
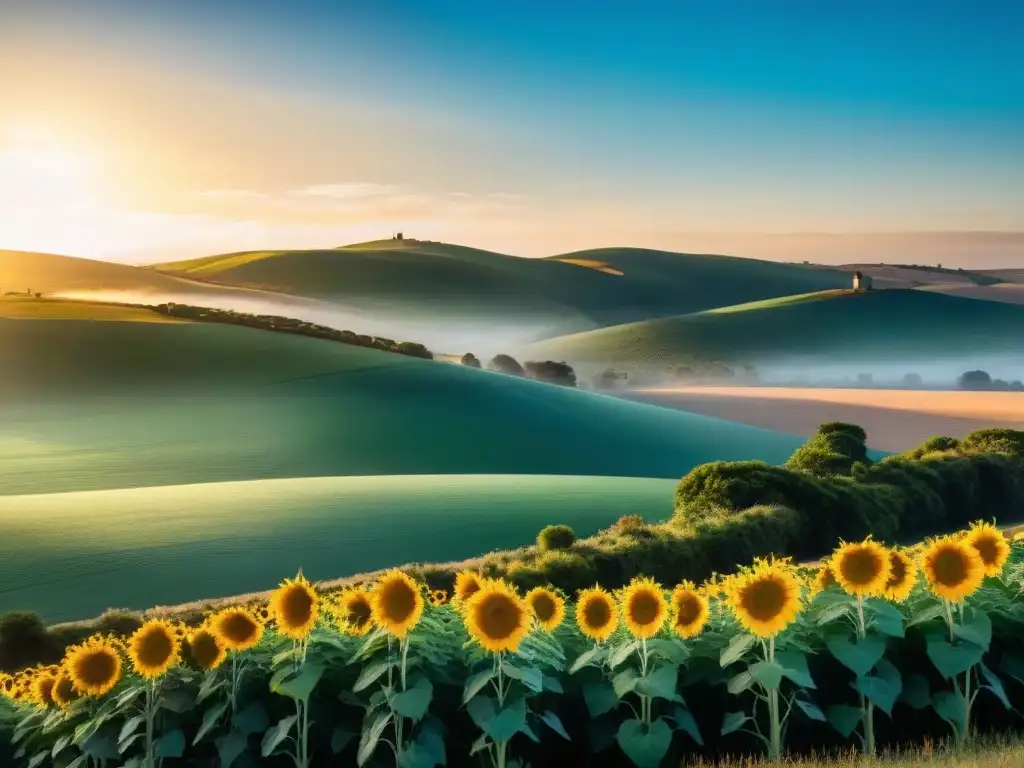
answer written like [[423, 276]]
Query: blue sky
[[521, 126]]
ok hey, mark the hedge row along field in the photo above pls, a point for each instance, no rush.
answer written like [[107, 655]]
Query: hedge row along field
[[927, 640]]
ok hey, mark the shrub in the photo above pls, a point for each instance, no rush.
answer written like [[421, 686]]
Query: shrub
[[505, 364], [24, 640], [974, 380], [551, 372], [556, 537], [996, 440], [832, 451], [470, 360], [569, 570]]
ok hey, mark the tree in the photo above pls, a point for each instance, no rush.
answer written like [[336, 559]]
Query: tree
[[974, 380], [413, 349], [551, 372], [506, 364], [912, 381], [556, 537], [470, 360]]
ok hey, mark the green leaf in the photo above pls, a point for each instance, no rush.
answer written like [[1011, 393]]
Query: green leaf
[[127, 697], [888, 625], [277, 734], [176, 701], [101, 747], [414, 702], [480, 744], [995, 685], [229, 747], [740, 682], [950, 659], [593, 656], [550, 719], [859, 657], [553, 684], [1012, 665], [844, 719], [950, 707], [686, 723], [599, 698], [621, 653], [252, 719], [625, 682], [928, 614], [481, 710], [794, 666], [476, 683], [209, 686], [880, 692], [370, 674], [737, 646], [210, 718], [531, 677], [131, 726], [61, 744], [670, 650], [645, 746], [915, 692], [170, 744], [833, 612], [733, 721], [509, 721], [301, 685], [660, 683], [340, 737], [977, 630], [812, 710], [122, 746], [767, 673], [78, 762], [38, 759], [371, 735]]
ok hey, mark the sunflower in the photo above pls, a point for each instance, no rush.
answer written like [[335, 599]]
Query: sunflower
[[466, 584], [596, 614], [991, 545], [63, 691], [396, 603], [712, 588], [154, 648], [902, 577], [7, 683], [354, 612], [42, 689], [438, 597], [644, 608], [205, 650], [295, 606], [548, 607], [861, 569], [94, 667], [765, 599], [497, 618], [952, 567], [823, 578], [236, 629], [690, 610]]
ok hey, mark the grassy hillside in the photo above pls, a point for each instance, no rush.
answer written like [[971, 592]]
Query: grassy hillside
[[131, 548], [832, 326], [25, 308], [92, 406], [580, 290]]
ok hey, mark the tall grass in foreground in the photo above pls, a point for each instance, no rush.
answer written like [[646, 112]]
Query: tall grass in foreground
[[873, 639]]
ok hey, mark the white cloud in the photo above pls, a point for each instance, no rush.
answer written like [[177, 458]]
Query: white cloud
[[232, 194], [348, 190]]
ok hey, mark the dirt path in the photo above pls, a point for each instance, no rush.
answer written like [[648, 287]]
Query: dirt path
[[895, 420]]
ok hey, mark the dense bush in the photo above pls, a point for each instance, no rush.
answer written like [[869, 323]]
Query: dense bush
[[551, 372], [556, 537], [470, 360], [834, 450], [24, 640], [974, 380], [506, 364]]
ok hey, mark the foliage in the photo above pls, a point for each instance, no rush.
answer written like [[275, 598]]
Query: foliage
[[974, 380], [551, 372], [556, 537], [470, 360], [24, 640], [318, 689], [834, 450], [506, 364]]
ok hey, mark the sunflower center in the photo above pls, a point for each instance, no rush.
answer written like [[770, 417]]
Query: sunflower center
[[63, 690], [988, 548], [687, 610], [898, 573], [597, 613], [155, 648], [44, 690], [358, 613], [498, 616], [238, 627], [543, 607], [297, 606], [764, 599], [204, 649], [861, 566], [950, 568], [644, 608], [97, 668], [399, 602], [469, 589]]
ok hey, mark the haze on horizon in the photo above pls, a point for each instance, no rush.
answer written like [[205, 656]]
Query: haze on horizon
[[149, 131]]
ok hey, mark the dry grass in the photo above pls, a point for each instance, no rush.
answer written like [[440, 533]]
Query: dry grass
[[600, 266], [25, 308], [993, 752]]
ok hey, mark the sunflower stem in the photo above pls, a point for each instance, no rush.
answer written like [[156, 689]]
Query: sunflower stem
[[500, 747], [234, 683], [645, 701], [775, 745], [150, 698], [867, 706]]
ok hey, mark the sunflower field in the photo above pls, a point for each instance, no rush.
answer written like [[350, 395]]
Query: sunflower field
[[874, 646]]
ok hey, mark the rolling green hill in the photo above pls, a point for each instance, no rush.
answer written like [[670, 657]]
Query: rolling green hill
[[831, 326], [166, 545], [91, 406], [573, 291]]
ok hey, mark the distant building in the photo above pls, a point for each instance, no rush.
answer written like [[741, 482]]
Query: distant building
[[861, 282]]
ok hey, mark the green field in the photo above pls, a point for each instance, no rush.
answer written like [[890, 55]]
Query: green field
[[92, 406], [898, 325], [70, 556], [410, 278]]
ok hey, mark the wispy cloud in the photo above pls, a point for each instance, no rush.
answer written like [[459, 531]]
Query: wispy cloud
[[348, 190], [232, 194]]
